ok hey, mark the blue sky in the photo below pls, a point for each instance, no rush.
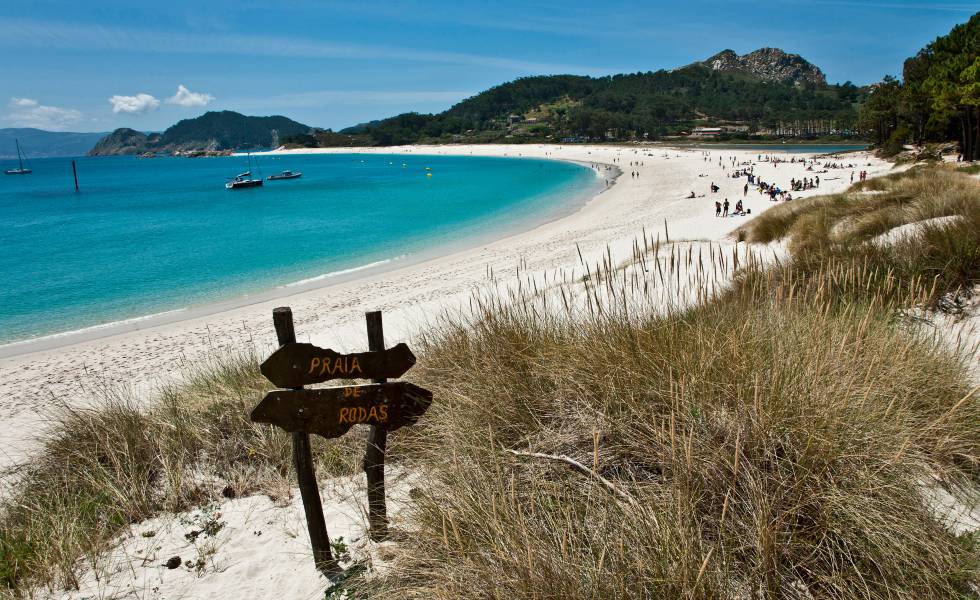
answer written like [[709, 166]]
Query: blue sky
[[101, 64]]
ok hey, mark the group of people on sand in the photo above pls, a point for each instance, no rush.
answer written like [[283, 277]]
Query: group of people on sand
[[747, 169], [721, 209], [775, 192], [804, 184]]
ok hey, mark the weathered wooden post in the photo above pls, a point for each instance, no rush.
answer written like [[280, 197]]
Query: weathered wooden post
[[282, 318], [374, 454], [331, 412]]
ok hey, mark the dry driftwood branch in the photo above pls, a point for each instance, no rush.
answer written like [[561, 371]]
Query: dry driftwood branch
[[580, 468]]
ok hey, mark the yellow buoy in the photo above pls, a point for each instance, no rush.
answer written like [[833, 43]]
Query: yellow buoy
[[428, 174]]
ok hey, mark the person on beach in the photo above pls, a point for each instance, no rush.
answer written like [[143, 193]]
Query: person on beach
[[725, 207], [738, 208], [717, 208], [745, 190]]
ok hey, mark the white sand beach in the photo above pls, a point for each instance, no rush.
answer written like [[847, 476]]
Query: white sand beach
[[143, 354]]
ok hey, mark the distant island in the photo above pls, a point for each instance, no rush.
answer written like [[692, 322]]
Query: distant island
[[212, 132], [38, 143]]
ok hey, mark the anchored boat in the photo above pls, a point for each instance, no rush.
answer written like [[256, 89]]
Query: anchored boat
[[20, 170], [285, 175], [244, 180]]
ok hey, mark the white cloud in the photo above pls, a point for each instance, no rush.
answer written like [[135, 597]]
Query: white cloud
[[140, 103], [27, 112], [185, 97]]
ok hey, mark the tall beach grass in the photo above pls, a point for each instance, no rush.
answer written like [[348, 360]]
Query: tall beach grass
[[695, 422]]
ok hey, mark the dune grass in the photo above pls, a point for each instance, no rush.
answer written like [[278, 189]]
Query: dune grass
[[761, 451], [119, 462], [868, 209], [938, 263], [771, 441]]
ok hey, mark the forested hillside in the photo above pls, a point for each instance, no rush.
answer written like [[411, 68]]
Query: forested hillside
[[766, 99]]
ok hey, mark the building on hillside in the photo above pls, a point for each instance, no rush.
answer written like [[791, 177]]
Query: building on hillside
[[706, 132]]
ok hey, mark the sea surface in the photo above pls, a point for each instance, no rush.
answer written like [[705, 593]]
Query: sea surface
[[145, 236]]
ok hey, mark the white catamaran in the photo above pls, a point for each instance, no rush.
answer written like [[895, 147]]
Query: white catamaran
[[20, 170]]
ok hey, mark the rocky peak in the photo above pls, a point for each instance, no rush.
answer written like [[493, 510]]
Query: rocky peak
[[768, 64]]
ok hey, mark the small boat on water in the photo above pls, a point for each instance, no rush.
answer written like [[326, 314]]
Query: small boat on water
[[285, 175], [244, 180], [20, 170]]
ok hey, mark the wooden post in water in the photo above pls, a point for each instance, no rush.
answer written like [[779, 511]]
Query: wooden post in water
[[282, 318], [374, 455], [74, 172]]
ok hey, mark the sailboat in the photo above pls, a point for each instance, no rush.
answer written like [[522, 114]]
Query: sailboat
[[20, 170], [244, 180]]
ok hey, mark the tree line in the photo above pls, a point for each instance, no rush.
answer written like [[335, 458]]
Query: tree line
[[938, 98], [627, 106]]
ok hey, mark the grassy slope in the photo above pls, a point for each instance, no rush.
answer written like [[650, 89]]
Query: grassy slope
[[768, 439], [772, 439]]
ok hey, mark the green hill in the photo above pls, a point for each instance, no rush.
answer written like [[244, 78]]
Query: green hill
[[227, 130], [215, 131], [767, 92]]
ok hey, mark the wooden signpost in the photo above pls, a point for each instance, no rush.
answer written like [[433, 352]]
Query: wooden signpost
[[331, 412], [293, 365]]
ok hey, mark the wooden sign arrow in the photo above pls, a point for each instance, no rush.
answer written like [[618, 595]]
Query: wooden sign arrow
[[331, 412], [294, 365]]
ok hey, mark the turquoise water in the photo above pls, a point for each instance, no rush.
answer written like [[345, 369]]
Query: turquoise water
[[147, 236]]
